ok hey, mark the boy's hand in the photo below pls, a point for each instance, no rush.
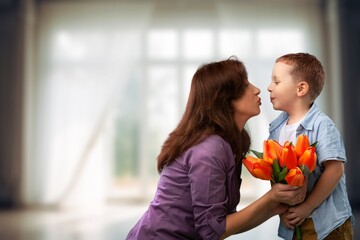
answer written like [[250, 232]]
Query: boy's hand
[[285, 220], [297, 215]]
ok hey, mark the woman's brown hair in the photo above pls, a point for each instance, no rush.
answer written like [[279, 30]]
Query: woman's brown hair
[[209, 111]]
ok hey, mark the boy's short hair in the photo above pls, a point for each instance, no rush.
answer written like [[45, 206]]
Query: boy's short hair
[[306, 68]]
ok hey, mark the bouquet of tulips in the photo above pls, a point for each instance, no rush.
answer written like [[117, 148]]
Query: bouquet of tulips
[[286, 164]]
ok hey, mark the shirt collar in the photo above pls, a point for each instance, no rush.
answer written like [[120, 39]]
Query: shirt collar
[[307, 122], [310, 118]]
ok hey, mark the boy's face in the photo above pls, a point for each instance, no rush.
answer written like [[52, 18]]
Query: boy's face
[[283, 89]]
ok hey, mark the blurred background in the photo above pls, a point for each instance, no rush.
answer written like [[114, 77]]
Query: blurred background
[[90, 89]]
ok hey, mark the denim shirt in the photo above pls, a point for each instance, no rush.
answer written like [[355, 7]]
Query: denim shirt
[[336, 209]]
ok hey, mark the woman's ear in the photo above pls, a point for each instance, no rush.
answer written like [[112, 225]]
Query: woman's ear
[[303, 89]]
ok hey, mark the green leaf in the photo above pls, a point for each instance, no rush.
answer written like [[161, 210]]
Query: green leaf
[[314, 144], [298, 233], [282, 174], [257, 154], [276, 170], [305, 170]]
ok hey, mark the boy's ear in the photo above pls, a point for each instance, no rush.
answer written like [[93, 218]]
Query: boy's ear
[[303, 89]]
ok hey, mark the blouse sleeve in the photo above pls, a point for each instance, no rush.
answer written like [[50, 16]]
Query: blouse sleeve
[[209, 165]]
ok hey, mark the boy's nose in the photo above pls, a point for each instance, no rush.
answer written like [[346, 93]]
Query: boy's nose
[[268, 88]]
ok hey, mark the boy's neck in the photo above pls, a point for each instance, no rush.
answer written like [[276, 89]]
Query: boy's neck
[[297, 114]]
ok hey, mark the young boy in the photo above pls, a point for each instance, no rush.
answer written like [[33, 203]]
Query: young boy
[[297, 80]]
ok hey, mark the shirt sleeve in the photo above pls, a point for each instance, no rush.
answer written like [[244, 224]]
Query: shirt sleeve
[[330, 145], [209, 166]]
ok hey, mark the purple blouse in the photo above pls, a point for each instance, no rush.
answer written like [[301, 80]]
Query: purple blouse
[[194, 195]]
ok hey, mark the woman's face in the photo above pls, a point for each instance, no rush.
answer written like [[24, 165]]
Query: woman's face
[[247, 106]]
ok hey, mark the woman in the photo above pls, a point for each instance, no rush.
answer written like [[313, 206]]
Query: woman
[[200, 163]]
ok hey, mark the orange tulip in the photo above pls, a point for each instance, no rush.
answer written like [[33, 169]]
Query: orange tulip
[[278, 147], [287, 143], [295, 177], [308, 158], [272, 150], [301, 145], [258, 167], [288, 157]]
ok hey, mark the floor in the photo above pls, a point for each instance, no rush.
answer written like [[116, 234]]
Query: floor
[[105, 223]]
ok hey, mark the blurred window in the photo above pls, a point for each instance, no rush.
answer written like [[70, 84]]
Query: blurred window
[[171, 58], [113, 86]]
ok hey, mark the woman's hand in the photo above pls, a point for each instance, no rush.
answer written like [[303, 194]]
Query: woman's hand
[[280, 209], [288, 194]]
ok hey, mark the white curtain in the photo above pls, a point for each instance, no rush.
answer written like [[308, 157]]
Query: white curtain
[[88, 51], [86, 54]]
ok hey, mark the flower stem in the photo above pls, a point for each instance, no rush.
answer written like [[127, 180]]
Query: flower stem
[[298, 233]]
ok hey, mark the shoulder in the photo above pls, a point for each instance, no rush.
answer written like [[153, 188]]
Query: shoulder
[[212, 149], [324, 122], [214, 140], [317, 120], [213, 144], [330, 143], [323, 128]]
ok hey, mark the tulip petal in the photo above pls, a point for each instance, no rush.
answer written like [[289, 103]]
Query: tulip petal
[[308, 158], [263, 170], [301, 145], [249, 163], [295, 177], [258, 167], [288, 157], [272, 150]]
